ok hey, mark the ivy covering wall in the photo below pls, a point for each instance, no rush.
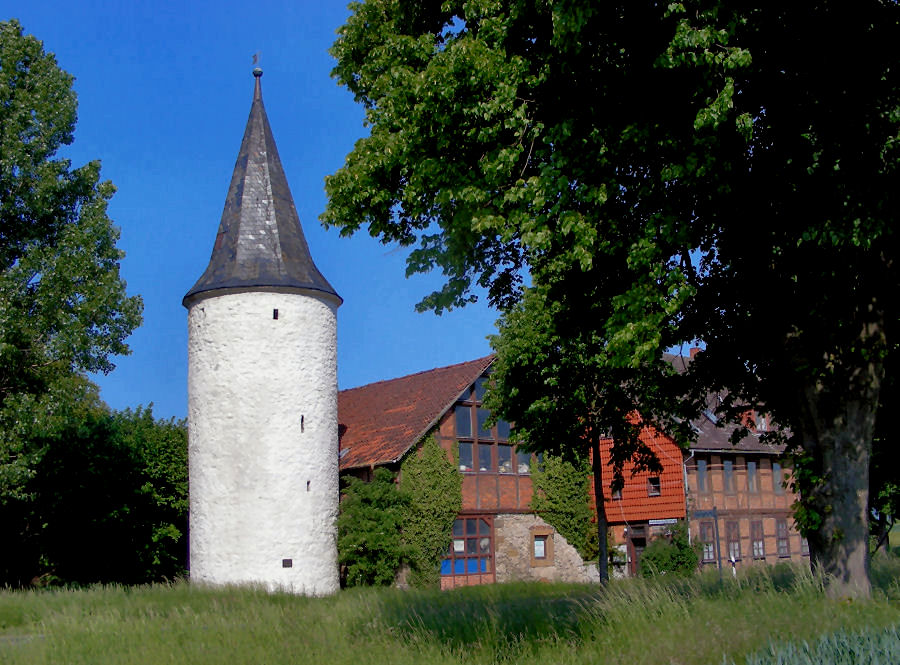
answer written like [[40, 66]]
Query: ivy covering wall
[[433, 486], [561, 498], [384, 525]]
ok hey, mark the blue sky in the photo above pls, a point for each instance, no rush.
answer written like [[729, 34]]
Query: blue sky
[[164, 91]]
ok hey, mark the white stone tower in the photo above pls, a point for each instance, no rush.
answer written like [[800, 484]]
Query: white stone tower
[[262, 390]]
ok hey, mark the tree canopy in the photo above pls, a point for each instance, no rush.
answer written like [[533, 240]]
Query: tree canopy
[[668, 173], [107, 500], [63, 305]]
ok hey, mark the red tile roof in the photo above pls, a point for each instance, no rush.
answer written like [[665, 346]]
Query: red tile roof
[[380, 422], [636, 505]]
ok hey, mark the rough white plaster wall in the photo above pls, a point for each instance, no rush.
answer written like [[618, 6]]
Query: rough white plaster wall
[[263, 487]]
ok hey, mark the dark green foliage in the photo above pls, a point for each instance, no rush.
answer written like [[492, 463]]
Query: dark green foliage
[[41, 423], [63, 307], [159, 450], [107, 502], [886, 572], [561, 499], [673, 555], [370, 547], [434, 489]]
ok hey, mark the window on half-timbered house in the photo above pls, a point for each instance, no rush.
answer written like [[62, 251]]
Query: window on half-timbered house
[[733, 537], [777, 478], [702, 478], [707, 537], [781, 537], [471, 550], [483, 448], [758, 542], [752, 485], [728, 475]]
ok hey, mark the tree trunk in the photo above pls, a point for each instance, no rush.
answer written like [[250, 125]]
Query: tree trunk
[[603, 554], [882, 532], [833, 480]]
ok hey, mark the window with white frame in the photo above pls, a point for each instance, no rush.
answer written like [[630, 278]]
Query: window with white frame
[[707, 537], [733, 538], [758, 542]]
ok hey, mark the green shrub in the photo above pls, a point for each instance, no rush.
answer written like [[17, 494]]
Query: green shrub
[[670, 555], [370, 548]]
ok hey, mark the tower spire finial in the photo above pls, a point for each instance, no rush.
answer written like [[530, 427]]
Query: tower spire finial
[[257, 74]]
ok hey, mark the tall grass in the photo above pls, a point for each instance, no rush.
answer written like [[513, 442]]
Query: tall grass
[[878, 646], [677, 620]]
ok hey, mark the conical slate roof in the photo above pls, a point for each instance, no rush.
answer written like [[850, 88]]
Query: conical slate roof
[[260, 242]]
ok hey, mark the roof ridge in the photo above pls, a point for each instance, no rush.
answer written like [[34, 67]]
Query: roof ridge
[[483, 359]]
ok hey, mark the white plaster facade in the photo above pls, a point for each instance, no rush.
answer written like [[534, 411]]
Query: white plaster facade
[[263, 439]]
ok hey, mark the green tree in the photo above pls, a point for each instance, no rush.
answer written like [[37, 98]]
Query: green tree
[[159, 452], [433, 487], [68, 401], [107, 501], [63, 306], [549, 378], [668, 172], [370, 546]]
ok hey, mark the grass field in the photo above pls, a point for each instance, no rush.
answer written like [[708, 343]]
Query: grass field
[[692, 621]]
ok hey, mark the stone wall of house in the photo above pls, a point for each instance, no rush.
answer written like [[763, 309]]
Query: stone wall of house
[[514, 552]]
